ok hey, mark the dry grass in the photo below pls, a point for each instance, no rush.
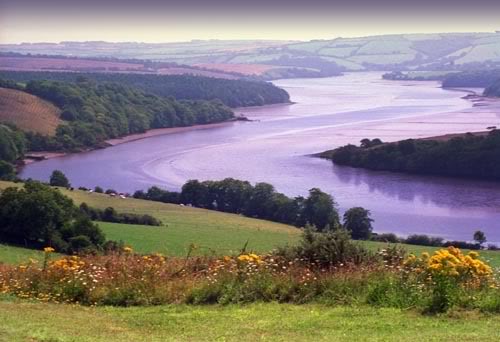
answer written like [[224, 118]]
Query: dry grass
[[28, 112]]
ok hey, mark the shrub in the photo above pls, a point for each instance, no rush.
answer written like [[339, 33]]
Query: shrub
[[446, 273], [327, 249]]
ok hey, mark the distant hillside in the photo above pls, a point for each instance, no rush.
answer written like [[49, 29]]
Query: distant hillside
[[447, 51], [28, 112], [58, 63]]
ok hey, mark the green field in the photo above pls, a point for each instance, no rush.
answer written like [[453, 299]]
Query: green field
[[23, 321], [210, 231]]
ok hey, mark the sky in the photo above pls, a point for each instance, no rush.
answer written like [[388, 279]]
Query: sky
[[156, 21]]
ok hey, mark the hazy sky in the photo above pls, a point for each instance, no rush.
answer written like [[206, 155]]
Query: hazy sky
[[164, 21]]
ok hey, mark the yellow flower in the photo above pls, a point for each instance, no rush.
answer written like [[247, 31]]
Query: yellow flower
[[49, 250], [128, 249], [474, 255]]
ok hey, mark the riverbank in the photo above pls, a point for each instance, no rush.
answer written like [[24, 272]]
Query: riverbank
[[163, 131], [32, 157]]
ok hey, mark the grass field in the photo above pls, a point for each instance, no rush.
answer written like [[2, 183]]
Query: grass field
[[209, 230], [28, 112], [23, 321]]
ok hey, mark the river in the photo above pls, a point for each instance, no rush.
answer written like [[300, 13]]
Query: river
[[275, 148]]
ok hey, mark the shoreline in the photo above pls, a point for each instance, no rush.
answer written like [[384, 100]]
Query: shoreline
[[165, 131], [475, 99], [33, 157]]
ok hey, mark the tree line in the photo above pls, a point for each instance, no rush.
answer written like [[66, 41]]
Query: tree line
[[258, 201], [233, 93], [470, 156]]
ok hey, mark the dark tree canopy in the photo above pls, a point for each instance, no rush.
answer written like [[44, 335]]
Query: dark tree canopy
[[38, 216], [357, 220], [473, 156], [233, 93], [58, 178], [260, 201]]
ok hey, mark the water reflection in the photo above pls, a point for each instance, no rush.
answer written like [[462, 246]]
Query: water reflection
[[450, 193]]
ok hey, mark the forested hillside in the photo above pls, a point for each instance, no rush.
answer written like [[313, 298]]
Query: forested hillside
[[95, 112], [469, 156], [233, 93]]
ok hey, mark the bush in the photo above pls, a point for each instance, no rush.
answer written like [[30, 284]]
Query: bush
[[448, 273], [327, 249]]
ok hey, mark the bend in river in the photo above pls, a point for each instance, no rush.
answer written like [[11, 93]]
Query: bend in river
[[327, 113]]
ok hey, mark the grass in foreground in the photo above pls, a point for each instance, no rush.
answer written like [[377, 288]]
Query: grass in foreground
[[24, 321]]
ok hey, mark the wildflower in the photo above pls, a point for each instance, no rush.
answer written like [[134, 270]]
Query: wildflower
[[128, 249], [48, 250]]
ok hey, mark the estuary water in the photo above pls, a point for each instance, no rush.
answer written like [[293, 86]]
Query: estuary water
[[276, 148]]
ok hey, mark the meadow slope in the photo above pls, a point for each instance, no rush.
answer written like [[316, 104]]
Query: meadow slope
[[208, 230]]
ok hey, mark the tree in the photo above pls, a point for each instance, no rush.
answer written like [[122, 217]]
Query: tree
[[98, 189], [320, 210], [39, 216], [479, 237], [357, 220], [59, 179]]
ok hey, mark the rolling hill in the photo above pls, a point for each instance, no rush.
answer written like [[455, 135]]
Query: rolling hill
[[387, 52], [28, 112]]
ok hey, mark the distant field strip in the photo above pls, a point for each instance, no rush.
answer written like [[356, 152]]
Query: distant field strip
[[28, 112]]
